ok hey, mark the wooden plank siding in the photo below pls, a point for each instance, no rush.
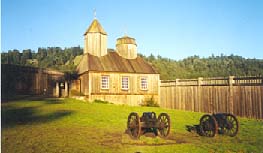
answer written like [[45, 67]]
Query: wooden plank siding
[[91, 87], [242, 96], [115, 83]]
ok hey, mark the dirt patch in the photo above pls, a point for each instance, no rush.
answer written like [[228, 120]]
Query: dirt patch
[[146, 140], [180, 141], [145, 144], [179, 138], [111, 139]]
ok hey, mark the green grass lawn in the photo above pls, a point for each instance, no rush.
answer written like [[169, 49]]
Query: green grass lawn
[[69, 125]]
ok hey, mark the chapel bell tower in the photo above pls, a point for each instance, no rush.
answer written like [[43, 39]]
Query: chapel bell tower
[[95, 39]]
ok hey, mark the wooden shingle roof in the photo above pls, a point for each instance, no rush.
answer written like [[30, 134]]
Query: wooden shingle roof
[[113, 62], [95, 27], [125, 40]]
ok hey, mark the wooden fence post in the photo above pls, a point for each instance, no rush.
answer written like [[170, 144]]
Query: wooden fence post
[[200, 81], [159, 92], [178, 96], [230, 83], [176, 82], [199, 89]]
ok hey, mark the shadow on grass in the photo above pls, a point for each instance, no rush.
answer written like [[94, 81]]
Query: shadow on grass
[[13, 116], [22, 98], [194, 129], [53, 101], [7, 99], [46, 100]]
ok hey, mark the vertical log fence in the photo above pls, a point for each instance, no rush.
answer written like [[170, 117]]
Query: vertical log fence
[[242, 96]]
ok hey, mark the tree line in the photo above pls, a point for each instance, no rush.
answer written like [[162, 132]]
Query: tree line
[[212, 66], [50, 57], [169, 69]]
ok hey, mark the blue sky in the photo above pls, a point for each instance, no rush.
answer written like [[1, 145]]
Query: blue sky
[[173, 28]]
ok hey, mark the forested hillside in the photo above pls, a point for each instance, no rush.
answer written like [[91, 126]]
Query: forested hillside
[[191, 67], [213, 66], [51, 57]]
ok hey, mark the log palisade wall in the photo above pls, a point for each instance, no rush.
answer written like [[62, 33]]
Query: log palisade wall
[[25, 80], [242, 96]]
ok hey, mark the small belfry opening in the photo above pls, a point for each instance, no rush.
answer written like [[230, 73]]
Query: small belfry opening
[[126, 47]]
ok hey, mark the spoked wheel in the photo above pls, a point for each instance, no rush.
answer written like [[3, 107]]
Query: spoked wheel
[[208, 126], [134, 126], [164, 124], [231, 125]]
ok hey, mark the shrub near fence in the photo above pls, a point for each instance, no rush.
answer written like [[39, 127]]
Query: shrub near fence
[[242, 96]]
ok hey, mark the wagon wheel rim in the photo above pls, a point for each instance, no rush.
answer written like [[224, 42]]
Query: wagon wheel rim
[[232, 125], [164, 125], [208, 126], [134, 126]]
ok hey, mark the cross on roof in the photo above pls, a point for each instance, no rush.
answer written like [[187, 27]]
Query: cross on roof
[[94, 13]]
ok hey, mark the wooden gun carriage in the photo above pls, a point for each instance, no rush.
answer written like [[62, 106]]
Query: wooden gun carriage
[[148, 123], [219, 123]]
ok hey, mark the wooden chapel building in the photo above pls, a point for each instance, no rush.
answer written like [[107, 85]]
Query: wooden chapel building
[[118, 76]]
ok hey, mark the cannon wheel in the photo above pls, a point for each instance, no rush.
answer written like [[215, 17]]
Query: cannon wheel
[[231, 127], [208, 126], [164, 124], [133, 125]]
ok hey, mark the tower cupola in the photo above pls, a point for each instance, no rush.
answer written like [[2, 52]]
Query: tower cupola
[[95, 39], [126, 47]]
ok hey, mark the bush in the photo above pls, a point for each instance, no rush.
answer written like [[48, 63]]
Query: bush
[[150, 103], [100, 101]]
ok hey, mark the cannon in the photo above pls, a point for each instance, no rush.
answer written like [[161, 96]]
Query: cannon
[[148, 123], [219, 123]]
